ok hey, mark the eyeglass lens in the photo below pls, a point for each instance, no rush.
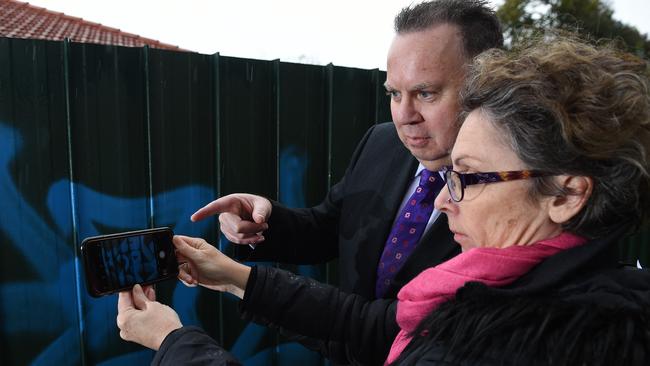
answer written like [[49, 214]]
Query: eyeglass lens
[[455, 185]]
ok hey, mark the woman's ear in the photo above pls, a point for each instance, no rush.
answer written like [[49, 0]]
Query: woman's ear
[[578, 188]]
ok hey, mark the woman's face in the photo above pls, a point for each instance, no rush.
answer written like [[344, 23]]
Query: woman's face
[[496, 214]]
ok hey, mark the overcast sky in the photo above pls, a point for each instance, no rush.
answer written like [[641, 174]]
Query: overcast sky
[[353, 33]]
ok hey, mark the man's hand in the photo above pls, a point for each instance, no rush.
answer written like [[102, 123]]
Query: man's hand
[[203, 264], [143, 320], [242, 217]]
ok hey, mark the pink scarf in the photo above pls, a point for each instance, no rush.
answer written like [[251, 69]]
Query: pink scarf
[[492, 266]]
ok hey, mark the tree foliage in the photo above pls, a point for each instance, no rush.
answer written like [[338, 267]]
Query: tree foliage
[[591, 18]]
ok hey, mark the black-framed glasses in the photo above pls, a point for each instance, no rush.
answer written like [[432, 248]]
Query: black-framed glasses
[[456, 182]]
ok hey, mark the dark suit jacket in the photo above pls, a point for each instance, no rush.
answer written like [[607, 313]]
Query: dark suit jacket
[[354, 220]]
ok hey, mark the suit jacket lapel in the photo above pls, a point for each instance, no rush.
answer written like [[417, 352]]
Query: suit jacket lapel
[[403, 168]]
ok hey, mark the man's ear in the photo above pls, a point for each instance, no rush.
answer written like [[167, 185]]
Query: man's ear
[[578, 188]]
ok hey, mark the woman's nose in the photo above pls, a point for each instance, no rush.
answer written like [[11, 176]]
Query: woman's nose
[[443, 201]]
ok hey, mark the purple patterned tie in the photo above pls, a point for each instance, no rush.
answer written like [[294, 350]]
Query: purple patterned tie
[[408, 229]]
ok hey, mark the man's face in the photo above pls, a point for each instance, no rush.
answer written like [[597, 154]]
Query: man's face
[[424, 74]]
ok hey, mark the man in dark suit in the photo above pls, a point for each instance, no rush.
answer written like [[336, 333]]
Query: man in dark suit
[[434, 43]]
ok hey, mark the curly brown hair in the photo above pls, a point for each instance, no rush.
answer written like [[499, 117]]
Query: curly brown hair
[[567, 107]]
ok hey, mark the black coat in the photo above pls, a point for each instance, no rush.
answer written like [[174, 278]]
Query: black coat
[[602, 319], [576, 307], [354, 220]]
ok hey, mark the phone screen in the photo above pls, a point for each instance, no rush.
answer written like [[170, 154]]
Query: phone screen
[[116, 262]]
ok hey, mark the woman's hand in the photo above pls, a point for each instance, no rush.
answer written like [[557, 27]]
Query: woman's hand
[[202, 264], [143, 320]]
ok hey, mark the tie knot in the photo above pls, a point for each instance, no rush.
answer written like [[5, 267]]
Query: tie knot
[[429, 179], [431, 183]]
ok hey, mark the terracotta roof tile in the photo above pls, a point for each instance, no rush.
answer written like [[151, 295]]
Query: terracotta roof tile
[[22, 20]]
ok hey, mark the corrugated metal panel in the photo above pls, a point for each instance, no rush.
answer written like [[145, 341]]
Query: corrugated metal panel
[[302, 163], [38, 303]]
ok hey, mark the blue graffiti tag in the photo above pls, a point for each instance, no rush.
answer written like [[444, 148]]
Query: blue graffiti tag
[[58, 291]]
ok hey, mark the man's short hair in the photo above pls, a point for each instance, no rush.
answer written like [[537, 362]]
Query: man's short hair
[[478, 23]]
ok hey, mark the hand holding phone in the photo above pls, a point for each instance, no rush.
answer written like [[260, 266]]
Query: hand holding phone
[[117, 262], [142, 319], [205, 265]]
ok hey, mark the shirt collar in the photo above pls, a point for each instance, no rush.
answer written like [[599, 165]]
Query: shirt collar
[[419, 170]]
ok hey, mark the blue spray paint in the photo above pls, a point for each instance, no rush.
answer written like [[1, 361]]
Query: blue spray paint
[[49, 254]]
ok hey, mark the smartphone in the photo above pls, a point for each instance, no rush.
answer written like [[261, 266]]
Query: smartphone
[[117, 262]]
